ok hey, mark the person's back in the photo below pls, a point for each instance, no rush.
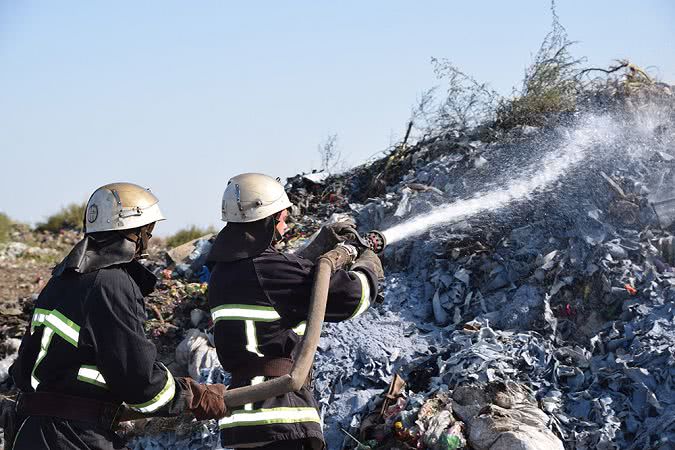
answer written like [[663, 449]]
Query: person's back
[[254, 327], [60, 352], [259, 300], [80, 330], [85, 353]]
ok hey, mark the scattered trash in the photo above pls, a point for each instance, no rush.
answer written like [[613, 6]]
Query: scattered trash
[[196, 353], [547, 323], [503, 416], [189, 258], [10, 348]]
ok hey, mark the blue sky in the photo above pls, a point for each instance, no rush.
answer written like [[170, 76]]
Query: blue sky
[[180, 96]]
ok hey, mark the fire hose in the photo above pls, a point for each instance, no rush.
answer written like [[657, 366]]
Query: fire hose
[[326, 265]]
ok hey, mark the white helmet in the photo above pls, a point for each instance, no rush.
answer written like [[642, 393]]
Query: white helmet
[[121, 206], [253, 196]]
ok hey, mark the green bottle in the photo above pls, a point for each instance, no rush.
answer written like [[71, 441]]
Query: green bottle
[[450, 442]]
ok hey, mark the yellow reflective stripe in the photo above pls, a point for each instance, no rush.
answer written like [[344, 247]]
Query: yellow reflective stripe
[[364, 302], [269, 416], [244, 312], [252, 338], [53, 322], [300, 329], [91, 375], [249, 314], [39, 316], [63, 326], [162, 398], [47, 335]]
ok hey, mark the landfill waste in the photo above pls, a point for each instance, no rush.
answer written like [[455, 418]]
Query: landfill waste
[[529, 296], [190, 258], [10, 347], [503, 416], [171, 433], [549, 292], [197, 353]]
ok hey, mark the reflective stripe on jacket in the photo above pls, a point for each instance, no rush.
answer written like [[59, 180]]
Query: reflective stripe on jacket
[[259, 307], [87, 339]]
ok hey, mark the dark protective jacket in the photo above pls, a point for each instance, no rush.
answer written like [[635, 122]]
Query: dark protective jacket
[[86, 339], [259, 306]]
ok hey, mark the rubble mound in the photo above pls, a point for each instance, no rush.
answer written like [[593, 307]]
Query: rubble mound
[[543, 321], [568, 292]]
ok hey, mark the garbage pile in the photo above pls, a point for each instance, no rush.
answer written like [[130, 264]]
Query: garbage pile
[[545, 324], [315, 197], [568, 295]]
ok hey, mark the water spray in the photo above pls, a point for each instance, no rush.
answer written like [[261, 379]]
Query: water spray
[[560, 160]]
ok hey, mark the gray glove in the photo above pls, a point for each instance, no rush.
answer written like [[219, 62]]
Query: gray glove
[[329, 236], [368, 260]]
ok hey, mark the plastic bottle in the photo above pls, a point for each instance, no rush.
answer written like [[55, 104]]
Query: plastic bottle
[[450, 442], [453, 438]]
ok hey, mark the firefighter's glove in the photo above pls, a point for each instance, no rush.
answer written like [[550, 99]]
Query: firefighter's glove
[[329, 236], [369, 261], [207, 400], [343, 228]]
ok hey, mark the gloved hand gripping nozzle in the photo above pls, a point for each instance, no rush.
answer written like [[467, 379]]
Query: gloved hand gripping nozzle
[[374, 240]]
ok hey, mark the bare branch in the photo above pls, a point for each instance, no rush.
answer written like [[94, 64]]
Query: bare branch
[[331, 157]]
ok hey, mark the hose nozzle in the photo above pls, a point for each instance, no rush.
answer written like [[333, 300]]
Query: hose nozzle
[[376, 241]]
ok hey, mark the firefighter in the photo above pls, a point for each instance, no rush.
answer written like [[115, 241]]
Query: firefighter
[[85, 353], [259, 300]]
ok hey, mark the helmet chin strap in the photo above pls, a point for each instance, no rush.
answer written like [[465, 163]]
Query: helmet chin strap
[[142, 249], [140, 236], [277, 235]]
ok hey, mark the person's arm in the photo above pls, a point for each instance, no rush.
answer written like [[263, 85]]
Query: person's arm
[[327, 238], [287, 280], [126, 359]]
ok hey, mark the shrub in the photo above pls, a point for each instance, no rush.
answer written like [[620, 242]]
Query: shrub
[[187, 234], [5, 227], [460, 103], [550, 85], [69, 217], [550, 88]]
